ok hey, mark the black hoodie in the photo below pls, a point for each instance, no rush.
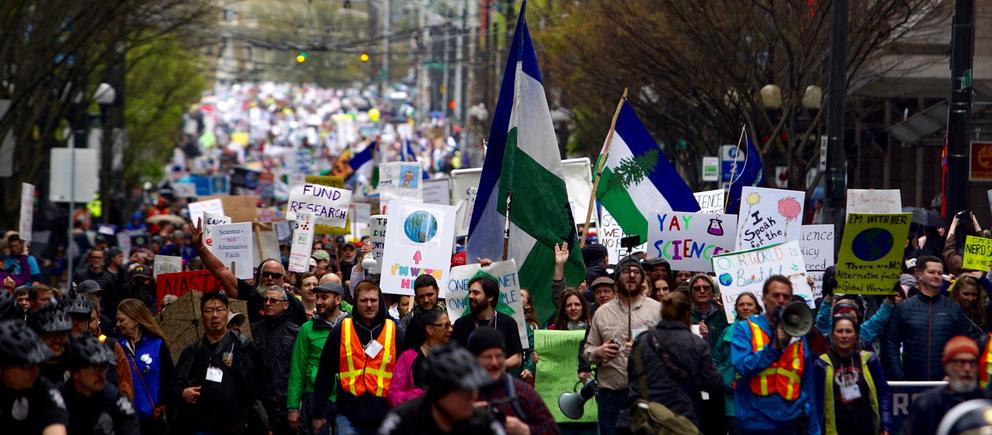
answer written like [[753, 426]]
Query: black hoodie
[[366, 411]]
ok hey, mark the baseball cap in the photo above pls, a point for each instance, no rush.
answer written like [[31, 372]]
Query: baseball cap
[[88, 286], [329, 287], [139, 271]]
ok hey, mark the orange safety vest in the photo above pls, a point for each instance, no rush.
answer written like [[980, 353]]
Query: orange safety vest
[[784, 375], [984, 368], [360, 373]]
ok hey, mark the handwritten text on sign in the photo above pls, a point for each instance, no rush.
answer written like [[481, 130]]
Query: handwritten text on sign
[[768, 216], [746, 271], [870, 257], [510, 303], [329, 205], [977, 253], [178, 284], [689, 241]]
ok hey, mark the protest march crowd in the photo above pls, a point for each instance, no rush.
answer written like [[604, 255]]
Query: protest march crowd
[[311, 264]]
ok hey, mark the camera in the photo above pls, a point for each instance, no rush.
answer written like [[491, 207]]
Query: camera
[[963, 215], [630, 242]]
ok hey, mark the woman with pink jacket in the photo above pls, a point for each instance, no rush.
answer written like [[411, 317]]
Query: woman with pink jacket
[[427, 331]]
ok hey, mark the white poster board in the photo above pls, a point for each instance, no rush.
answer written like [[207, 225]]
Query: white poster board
[[689, 241], [876, 201], [436, 191], [711, 201], [609, 234], [505, 272], [232, 245], [329, 205], [166, 264], [818, 253], [377, 237], [197, 209], [768, 216], [215, 219], [27, 211], [401, 181], [300, 250], [746, 271], [419, 240]]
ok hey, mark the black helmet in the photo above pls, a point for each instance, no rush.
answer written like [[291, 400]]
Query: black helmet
[[8, 306], [77, 305], [450, 367], [967, 418], [50, 318], [20, 345], [87, 350]]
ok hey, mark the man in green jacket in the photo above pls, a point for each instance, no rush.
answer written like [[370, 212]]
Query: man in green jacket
[[306, 353]]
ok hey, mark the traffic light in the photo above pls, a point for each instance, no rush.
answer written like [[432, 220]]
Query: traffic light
[[364, 57], [301, 57]]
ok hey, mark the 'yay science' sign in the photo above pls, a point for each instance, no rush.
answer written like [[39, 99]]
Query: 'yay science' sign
[[329, 205], [689, 241]]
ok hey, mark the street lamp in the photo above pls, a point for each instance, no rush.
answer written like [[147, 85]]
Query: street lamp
[[771, 97], [813, 97]]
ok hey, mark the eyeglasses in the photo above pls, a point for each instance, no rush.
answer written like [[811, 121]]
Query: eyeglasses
[[272, 275], [701, 288], [441, 325], [964, 362], [273, 300], [211, 311], [630, 270]]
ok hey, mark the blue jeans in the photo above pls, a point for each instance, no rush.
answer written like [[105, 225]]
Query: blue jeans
[[344, 427], [610, 403]]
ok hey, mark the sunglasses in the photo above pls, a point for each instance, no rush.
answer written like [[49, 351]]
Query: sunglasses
[[272, 275], [273, 300]]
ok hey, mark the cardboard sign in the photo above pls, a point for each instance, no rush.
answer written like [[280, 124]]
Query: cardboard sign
[[300, 250], [746, 271], [400, 181], [232, 244], [27, 211], [178, 284], [436, 192], [329, 181], [870, 258], [197, 209], [419, 240], [609, 234], [689, 241], [556, 370], [977, 253], [768, 216], [328, 205], [874, 201], [818, 253], [241, 208], [455, 292], [711, 201], [377, 237], [166, 264], [215, 219]]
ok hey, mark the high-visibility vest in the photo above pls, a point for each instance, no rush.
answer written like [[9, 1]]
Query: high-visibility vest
[[829, 415], [784, 375], [360, 373], [984, 366]]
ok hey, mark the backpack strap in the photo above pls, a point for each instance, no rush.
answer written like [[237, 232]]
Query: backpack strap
[[642, 381], [511, 392]]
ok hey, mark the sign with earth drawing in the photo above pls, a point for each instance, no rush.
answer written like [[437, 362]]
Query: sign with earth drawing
[[870, 257], [418, 241]]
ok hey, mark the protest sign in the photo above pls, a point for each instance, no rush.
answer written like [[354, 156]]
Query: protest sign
[[577, 174], [328, 205], [419, 238], [977, 253], [27, 211], [232, 244], [464, 187], [215, 219], [400, 180], [689, 241], [300, 250], [870, 258], [184, 190], [436, 192], [817, 244], [335, 182], [166, 264], [874, 201], [266, 215], [282, 229], [455, 292], [711, 201], [197, 209], [124, 243], [609, 234], [556, 371], [180, 283], [363, 211], [266, 243], [377, 237], [768, 216], [746, 271], [245, 178]]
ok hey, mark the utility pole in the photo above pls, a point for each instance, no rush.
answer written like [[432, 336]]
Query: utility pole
[[836, 104], [957, 187], [384, 73]]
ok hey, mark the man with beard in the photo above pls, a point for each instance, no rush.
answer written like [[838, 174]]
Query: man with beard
[[483, 296], [614, 327], [274, 336], [306, 354], [960, 363]]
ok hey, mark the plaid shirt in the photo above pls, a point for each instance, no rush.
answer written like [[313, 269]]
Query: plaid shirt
[[538, 417]]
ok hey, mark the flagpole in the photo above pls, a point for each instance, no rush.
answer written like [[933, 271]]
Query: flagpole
[[733, 169], [599, 169]]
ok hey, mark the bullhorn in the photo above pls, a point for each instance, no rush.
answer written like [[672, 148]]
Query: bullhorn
[[572, 404], [796, 319]]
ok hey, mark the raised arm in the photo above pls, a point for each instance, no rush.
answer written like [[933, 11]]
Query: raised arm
[[212, 263]]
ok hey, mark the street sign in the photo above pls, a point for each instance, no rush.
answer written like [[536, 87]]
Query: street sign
[[980, 164], [711, 168], [728, 153]]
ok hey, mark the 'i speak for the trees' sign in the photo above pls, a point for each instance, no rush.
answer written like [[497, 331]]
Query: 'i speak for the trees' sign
[[768, 216], [419, 238], [329, 205]]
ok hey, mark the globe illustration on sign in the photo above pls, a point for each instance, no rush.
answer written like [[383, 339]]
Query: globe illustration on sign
[[872, 244], [725, 279], [420, 226]]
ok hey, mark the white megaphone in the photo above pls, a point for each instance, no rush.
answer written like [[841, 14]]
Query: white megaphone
[[573, 404]]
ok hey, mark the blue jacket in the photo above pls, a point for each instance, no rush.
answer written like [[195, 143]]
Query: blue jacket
[[146, 371], [771, 412], [921, 325], [883, 397]]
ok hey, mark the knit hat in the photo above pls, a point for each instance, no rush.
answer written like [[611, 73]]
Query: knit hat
[[486, 338], [321, 255], [959, 345], [625, 262]]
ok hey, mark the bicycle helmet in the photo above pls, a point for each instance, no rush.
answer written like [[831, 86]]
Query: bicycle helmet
[[450, 367], [77, 305], [87, 350], [19, 345], [973, 417], [50, 318], [8, 306]]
